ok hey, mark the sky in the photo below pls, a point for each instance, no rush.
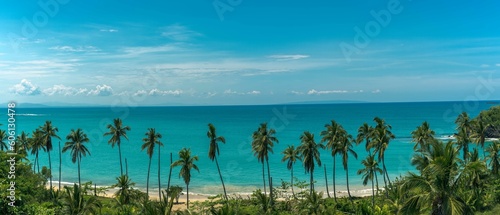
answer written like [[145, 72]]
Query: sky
[[238, 52]]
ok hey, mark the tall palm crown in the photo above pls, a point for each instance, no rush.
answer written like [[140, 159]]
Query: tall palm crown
[[24, 144], [290, 155], [263, 142], [365, 132], [309, 153], [345, 148], [214, 141], [422, 137], [76, 140], [369, 172], [117, 130]]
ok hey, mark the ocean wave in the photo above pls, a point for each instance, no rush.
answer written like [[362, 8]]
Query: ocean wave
[[31, 114]]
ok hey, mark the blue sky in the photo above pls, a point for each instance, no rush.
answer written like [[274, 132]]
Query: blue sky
[[248, 52]]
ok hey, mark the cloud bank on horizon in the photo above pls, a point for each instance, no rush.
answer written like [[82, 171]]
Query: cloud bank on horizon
[[197, 53]]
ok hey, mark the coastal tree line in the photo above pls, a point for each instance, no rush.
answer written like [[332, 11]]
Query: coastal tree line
[[446, 184]]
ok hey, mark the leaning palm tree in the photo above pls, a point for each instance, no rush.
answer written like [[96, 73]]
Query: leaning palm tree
[[437, 188], [494, 157], [36, 145], [213, 150], [331, 136], [382, 136], [290, 155], [3, 141], [365, 132], [369, 171], [49, 131], [152, 138], [117, 130], [309, 153], [186, 162], [24, 144], [74, 202], [462, 141], [262, 144], [345, 147], [422, 137], [76, 140]]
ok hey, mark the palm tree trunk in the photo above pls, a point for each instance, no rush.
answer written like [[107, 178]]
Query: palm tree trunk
[[37, 162], [311, 179], [50, 170], [159, 184], [373, 192], [376, 180], [223, 186], [385, 170], [147, 182], [187, 196], [334, 190], [60, 164], [326, 182], [169, 174], [293, 193], [120, 155], [79, 179], [466, 150], [264, 178], [269, 178], [126, 167], [347, 180]]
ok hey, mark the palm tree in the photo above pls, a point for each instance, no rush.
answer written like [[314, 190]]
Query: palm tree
[[3, 143], [117, 130], [186, 162], [290, 155], [369, 172], [382, 135], [437, 188], [464, 125], [262, 144], [365, 132], [331, 136], [49, 131], [308, 152], [422, 137], [24, 144], [494, 157], [124, 192], [152, 138], [74, 202], [36, 144], [463, 141], [345, 147], [479, 127], [76, 140], [213, 150]]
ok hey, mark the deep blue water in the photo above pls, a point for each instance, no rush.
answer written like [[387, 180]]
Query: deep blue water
[[187, 127]]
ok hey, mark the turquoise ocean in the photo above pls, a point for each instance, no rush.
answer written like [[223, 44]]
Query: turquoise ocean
[[187, 127]]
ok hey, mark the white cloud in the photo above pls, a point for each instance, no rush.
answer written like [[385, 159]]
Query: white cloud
[[140, 93], [110, 30], [230, 92], [296, 92], [64, 90], [315, 92], [149, 49], [157, 92], [103, 90], [254, 92], [75, 49], [498, 64], [25, 88], [179, 33], [485, 65], [376, 91], [288, 57]]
